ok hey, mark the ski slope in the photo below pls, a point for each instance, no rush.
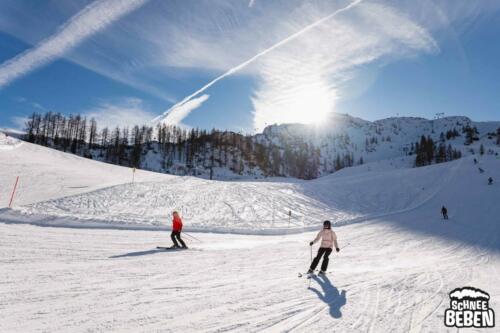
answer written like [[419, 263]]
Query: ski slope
[[393, 274], [47, 173], [53, 191], [392, 277], [8, 142], [247, 207]]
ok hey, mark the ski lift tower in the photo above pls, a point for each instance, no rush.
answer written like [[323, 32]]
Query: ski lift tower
[[437, 116]]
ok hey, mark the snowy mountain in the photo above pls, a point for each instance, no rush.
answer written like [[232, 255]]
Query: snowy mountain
[[288, 150], [343, 136]]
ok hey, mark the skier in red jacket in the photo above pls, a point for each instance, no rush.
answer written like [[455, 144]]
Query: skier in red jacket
[[176, 231]]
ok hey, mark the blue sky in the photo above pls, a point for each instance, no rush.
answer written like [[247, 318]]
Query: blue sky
[[242, 65]]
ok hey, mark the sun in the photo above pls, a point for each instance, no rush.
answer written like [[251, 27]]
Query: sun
[[306, 103], [311, 105]]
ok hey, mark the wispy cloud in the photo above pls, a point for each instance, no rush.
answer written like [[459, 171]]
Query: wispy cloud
[[176, 111], [123, 112], [31, 104], [164, 43], [19, 122], [92, 19], [299, 75], [302, 81]]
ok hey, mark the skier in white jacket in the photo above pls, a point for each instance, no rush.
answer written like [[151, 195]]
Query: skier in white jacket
[[328, 240]]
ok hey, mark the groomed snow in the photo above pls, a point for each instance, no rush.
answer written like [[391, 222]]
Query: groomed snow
[[67, 190], [8, 142], [388, 279], [46, 173], [393, 274]]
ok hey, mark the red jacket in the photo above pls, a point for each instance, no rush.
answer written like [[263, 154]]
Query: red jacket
[[177, 224]]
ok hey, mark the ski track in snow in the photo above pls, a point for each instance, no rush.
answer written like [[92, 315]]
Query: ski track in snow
[[62, 279], [98, 194], [394, 276]]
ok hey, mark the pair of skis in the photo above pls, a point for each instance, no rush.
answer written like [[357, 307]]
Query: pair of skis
[[175, 249], [309, 275], [165, 248]]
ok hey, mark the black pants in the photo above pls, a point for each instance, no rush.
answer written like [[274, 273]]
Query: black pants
[[445, 216], [326, 251], [176, 236]]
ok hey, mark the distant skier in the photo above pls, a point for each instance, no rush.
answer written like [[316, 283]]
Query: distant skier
[[444, 211], [475, 161], [481, 170], [328, 240], [490, 181], [176, 231]]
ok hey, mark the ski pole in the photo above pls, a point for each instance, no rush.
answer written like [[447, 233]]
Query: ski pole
[[190, 236], [343, 247], [311, 250]]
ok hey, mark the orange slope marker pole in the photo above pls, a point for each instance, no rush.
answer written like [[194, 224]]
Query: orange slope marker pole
[[13, 192]]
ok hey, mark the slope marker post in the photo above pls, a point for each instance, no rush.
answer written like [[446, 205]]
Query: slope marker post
[[13, 192]]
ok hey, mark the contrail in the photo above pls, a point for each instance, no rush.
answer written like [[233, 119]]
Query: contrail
[[170, 112], [89, 21]]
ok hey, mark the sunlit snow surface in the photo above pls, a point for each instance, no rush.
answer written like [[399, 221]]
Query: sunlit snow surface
[[393, 275], [62, 189]]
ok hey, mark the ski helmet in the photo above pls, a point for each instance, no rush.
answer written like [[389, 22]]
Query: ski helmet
[[327, 224]]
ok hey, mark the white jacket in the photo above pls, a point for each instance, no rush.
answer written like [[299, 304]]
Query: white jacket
[[328, 238]]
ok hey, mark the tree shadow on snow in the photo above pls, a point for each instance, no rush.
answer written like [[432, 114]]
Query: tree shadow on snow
[[330, 295], [136, 254]]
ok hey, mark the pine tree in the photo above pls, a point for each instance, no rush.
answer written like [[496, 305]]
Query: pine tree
[[441, 153], [338, 163], [92, 133]]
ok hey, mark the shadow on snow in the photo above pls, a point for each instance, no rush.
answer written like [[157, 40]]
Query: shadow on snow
[[137, 253], [330, 295]]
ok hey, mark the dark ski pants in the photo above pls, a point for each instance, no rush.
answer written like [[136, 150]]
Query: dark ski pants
[[176, 236], [445, 216], [323, 251]]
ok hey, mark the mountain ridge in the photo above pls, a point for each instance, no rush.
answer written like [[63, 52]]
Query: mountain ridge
[[305, 151]]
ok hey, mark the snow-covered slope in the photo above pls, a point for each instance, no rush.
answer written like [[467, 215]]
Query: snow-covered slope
[[393, 273], [58, 188], [46, 173], [8, 142], [386, 280]]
